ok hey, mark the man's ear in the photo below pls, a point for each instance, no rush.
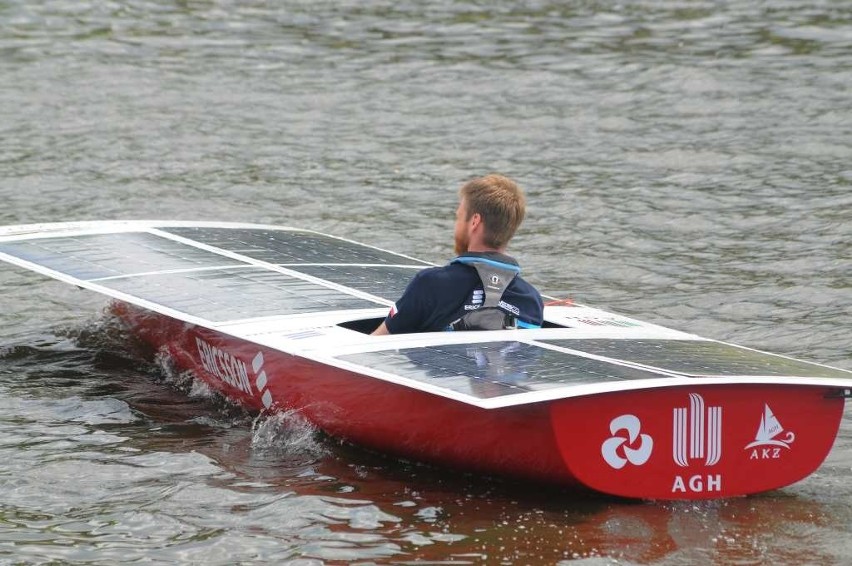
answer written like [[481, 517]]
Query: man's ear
[[475, 220]]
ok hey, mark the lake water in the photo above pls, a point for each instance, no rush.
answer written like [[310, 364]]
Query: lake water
[[686, 163]]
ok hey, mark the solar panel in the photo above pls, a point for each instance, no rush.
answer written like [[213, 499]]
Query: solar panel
[[699, 358], [231, 294], [384, 281], [495, 369], [289, 246], [109, 255], [205, 284]]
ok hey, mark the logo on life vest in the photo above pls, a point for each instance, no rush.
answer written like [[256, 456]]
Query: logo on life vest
[[622, 447], [511, 308]]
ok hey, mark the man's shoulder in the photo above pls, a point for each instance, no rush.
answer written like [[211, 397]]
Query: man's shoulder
[[434, 282], [527, 298], [439, 273], [523, 285]]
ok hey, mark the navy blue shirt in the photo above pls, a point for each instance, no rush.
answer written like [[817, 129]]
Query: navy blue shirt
[[438, 296]]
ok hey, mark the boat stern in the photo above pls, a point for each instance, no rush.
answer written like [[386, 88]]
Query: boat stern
[[701, 442]]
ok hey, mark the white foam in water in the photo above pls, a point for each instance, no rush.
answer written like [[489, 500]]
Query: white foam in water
[[164, 362], [184, 380], [285, 433], [199, 389]]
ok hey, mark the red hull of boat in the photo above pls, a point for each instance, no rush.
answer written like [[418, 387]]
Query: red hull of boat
[[696, 442]]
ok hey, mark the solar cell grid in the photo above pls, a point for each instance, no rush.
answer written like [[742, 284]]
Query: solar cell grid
[[231, 294], [495, 369], [288, 246], [699, 358], [109, 255], [382, 281]]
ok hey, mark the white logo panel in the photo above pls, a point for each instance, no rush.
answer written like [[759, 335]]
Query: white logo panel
[[621, 447], [769, 432], [696, 433]]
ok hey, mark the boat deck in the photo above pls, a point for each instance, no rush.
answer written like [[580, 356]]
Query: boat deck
[[302, 293]]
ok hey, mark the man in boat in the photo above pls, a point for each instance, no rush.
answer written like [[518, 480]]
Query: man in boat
[[481, 288]]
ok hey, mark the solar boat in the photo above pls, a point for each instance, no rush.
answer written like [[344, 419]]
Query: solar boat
[[278, 319]]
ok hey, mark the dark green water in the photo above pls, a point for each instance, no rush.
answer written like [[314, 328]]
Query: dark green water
[[686, 163]]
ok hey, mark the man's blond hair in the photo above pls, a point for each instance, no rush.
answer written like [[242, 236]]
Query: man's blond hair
[[501, 204]]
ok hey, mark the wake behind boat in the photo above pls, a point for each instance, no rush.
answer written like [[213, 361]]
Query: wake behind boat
[[277, 319]]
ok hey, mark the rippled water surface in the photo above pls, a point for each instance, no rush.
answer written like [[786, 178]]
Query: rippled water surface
[[686, 163]]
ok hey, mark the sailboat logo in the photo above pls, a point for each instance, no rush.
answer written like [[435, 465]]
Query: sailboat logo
[[770, 430]]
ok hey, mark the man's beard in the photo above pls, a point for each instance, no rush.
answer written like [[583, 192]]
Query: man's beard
[[461, 245]]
